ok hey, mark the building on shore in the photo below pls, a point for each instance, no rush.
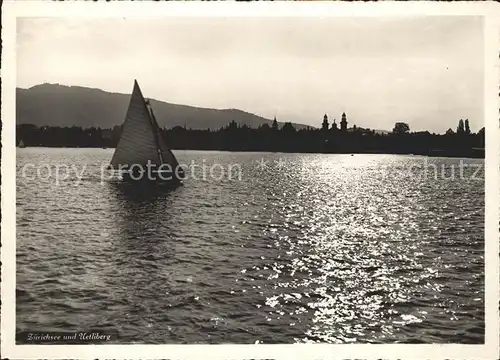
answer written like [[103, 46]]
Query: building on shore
[[343, 123], [325, 124], [334, 126]]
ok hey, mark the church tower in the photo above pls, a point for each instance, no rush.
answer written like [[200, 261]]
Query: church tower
[[334, 126], [325, 125], [275, 124], [343, 122]]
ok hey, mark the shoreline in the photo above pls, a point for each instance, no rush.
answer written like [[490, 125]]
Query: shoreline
[[442, 154]]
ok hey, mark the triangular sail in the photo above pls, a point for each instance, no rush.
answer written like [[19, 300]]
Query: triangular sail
[[140, 138], [166, 154]]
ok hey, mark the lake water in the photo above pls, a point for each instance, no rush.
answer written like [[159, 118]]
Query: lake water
[[307, 248]]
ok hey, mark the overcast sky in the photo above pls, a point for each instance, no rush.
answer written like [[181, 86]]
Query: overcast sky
[[424, 71]]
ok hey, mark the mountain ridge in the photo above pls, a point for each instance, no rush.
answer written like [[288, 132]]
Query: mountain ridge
[[69, 105]]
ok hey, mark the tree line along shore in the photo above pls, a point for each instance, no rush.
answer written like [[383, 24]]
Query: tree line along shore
[[236, 137]]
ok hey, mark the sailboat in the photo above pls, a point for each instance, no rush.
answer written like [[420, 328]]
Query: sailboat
[[21, 144], [142, 153]]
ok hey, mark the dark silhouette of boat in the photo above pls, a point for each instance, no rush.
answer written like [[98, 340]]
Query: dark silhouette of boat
[[142, 154]]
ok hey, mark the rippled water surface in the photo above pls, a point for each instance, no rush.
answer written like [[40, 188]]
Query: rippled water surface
[[312, 248]]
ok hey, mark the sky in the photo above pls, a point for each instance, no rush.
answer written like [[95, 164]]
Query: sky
[[426, 71]]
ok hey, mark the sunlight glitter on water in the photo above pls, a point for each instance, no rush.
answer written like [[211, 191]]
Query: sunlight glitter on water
[[327, 248]]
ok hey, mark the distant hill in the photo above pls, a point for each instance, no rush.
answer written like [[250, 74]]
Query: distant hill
[[61, 105]]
